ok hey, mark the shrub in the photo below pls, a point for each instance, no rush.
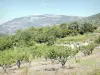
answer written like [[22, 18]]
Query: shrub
[[87, 50], [98, 40]]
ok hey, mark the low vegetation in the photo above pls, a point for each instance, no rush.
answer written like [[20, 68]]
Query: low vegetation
[[33, 43]]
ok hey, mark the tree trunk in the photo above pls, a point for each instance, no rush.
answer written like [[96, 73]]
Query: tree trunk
[[63, 63], [5, 68], [18, 63]]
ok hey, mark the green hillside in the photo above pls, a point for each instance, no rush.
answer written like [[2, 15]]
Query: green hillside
[[94, 19]]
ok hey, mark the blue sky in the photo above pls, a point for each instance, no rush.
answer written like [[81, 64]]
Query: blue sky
[[10, 9]]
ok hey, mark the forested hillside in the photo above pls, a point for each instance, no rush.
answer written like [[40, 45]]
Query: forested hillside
[[10, 27], [46, 35], [94, 19]]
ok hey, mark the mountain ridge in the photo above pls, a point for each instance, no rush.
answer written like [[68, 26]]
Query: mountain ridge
[[35, 21], [11, 26], [94, 19]]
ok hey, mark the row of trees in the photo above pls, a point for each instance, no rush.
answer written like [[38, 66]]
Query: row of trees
[[19, 55], [27, 54], [61, 54], [22, 45], [48, 35], [87, 50]]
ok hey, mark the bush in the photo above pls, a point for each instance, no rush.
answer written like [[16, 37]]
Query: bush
[[98, 40], [87, 50], [60, 53], [52, 54]]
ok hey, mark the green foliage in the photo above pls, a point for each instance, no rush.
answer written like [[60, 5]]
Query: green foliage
[[5, 43], [52, 54], [64, 26], [87, 50], [86, 27], [74, 26], [26, 44], [60, 53], [31, 36], [24, 38], [81, 27], [98, 40], [51, 40], [69, 39], [6, 57], [63, 55]]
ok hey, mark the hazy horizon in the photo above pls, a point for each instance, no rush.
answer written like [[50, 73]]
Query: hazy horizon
[[10, 9]]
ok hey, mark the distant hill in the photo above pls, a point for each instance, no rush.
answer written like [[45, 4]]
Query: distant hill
[[2, 35], [44, 20], [35, 21], [94, 19]]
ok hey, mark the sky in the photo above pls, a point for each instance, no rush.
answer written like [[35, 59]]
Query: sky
[[10, 9]]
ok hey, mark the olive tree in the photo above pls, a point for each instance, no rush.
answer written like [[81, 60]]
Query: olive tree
[[51, 54], [60, 53], [87, 50], [6, 59], [63, 54]]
